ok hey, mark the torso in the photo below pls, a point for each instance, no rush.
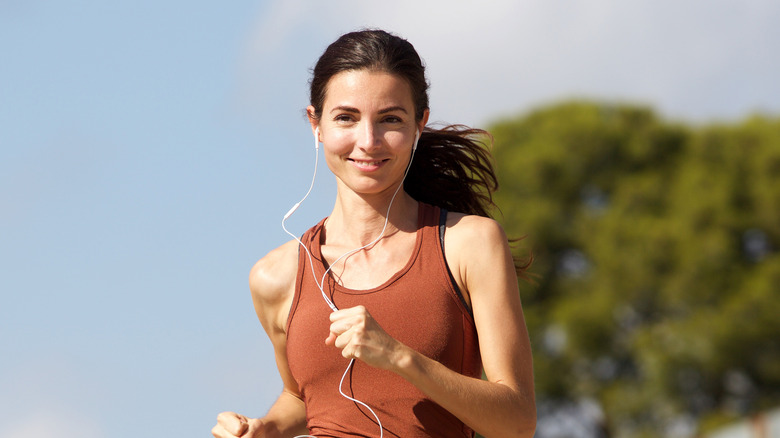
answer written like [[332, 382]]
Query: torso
[[280, 276], [403, 304], [279, 266]]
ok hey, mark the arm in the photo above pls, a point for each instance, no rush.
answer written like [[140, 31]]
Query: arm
[[502, 406], [272, 284], [286, 418]]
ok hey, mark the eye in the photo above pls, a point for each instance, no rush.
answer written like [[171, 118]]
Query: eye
[[392, 119], [344, 118]]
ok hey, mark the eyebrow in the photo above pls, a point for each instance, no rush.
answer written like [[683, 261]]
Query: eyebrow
[[350, 109]]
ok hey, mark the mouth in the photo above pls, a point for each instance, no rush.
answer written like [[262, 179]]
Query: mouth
[[367, 164]]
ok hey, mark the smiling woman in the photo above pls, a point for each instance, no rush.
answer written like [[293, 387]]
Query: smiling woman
[[385, 314], [367, 127]]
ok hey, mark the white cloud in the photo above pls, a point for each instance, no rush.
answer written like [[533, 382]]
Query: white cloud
[[697, 59], [275, 25]]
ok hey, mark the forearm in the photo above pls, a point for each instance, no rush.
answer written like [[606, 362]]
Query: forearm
[[286, 418], [492, 409]]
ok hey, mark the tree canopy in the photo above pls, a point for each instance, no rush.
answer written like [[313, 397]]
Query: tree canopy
[[656, 279]]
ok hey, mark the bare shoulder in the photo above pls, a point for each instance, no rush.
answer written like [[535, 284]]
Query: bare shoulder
[[272, 283], [474, 232], [475, 248]]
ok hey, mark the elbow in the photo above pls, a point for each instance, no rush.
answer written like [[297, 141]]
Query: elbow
[[524, 429], [530, 429], [521, 426], [518, 420], [525, 424]]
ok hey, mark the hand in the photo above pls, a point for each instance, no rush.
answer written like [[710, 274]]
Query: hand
[[359, 336], [232, 425]]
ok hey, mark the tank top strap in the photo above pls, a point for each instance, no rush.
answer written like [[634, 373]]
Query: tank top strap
[[304, 267], [441, 227]]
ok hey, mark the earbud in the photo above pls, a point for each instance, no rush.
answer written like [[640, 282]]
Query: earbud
[[317, 138], [416, 139]]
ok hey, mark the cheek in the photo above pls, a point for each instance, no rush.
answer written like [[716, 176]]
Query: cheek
[[399, 141], [333, 150], [335, 165], [337, 143]]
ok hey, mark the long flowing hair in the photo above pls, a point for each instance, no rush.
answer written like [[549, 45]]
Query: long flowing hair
[[452, 167]]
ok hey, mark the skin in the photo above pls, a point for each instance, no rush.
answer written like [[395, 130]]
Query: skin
[[367, 129]]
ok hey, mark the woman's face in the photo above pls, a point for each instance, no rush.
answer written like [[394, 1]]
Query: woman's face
[[367, 128]]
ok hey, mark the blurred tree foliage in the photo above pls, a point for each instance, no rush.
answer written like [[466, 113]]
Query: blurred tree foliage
[[657, 271]]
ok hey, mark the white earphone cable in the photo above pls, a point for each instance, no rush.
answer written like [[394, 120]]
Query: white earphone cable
[[321, 283]]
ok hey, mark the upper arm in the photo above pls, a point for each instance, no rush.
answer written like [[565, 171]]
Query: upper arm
[[486, 272], [272, 284]]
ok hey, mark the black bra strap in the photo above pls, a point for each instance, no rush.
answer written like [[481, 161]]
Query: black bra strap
[[442, 228]]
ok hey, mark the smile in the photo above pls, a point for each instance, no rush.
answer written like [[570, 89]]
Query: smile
[[367, 164]]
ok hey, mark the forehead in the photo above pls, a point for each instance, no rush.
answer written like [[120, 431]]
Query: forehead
[[367, 88]]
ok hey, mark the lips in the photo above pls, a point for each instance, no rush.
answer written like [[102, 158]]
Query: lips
[[367, 164]]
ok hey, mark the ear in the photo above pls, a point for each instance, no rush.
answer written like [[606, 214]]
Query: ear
[[313, 121], [424, 120]]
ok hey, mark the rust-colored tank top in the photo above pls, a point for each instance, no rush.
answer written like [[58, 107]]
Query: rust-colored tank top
[[420, 306]]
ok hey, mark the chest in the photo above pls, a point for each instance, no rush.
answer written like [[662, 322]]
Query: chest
[[369, 268], [421, 314]]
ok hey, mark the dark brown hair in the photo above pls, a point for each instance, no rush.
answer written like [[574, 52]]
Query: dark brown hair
[[452, 167]]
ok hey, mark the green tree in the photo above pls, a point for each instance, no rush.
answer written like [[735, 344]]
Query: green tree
[[657, 275]]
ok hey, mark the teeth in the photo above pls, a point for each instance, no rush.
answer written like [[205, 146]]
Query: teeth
[[367, 163]]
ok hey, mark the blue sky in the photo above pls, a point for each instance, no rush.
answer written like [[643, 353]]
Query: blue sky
[[149, 149]]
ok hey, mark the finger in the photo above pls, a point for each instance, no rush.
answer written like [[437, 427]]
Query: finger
[[349, 319], [336, 332], [219, 432], [342, 340], [341, 326], [339, 315], [232, 423], [348, 312], [242, 428], [355, 336]]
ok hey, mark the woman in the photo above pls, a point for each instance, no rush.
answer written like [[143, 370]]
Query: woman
[[416, 286]]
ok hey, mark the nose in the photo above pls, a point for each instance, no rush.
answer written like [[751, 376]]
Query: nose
[[370, 137]]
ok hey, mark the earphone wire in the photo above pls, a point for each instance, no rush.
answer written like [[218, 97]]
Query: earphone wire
[[321, 283], [295, 207]]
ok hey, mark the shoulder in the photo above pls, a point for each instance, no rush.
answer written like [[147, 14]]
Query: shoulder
[[272, 282], [477, 251], [272, 274], [466, 229]]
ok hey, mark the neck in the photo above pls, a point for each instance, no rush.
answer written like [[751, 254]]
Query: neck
[[358, 220]]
